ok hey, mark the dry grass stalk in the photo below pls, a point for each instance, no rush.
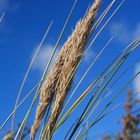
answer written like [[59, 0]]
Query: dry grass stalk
[[57, 80]]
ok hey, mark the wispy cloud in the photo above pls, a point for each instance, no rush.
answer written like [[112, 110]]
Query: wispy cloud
[[137, 81], [46, 52], [44, 56], [123, 33]]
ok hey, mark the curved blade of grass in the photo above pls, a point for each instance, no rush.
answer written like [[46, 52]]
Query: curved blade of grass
[[89, 108], [88, 89], [116, 80], [113, 99], [119, 65], [46, 70], [17, 107], [104, 115], [126, 69], [106, 95], [91, 100], [88, 105], [28, 71], [102, 89], [89, 116]]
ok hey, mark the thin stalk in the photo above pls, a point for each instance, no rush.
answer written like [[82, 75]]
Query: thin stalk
[[80, 98], [100, 19], [115, 81], [87, 90], [28, 71], [124, 58], [89, 108], [104, 25], [113, 99], [17, 107], [100, 118], [119, 65], [89, 116]]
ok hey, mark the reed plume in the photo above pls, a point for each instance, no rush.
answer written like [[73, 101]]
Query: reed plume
[[57, 83]]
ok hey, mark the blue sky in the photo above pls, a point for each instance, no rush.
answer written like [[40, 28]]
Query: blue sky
[[22, 29]]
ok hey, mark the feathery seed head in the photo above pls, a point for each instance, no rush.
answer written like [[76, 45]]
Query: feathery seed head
[[57, 82]]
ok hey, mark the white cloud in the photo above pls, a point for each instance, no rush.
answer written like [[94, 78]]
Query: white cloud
[[137, 80], [44, 57], [123, 32], [45, 53]]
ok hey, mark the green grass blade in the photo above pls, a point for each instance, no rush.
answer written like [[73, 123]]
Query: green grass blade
[[99, 119], [83, 95], [106, 94], [23, 100], [113, 99], [123, 60], [28, 71], [99, 94]]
